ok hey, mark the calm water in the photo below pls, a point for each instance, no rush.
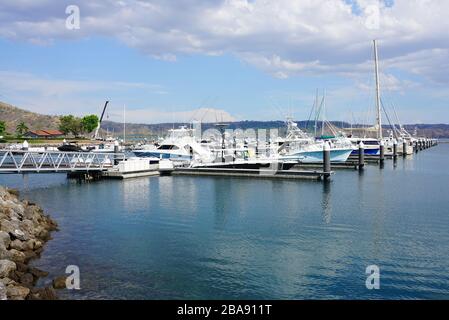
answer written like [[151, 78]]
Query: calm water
[[228, 238]]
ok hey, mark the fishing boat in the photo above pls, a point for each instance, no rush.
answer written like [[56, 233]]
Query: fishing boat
[[300, 147], [179, 146]]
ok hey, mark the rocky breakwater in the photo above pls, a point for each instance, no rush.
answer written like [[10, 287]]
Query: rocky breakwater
[[24, 229]]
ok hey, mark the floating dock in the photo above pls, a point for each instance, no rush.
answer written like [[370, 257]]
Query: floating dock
[[254, 173]]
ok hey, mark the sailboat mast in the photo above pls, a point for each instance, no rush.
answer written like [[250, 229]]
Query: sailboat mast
[[124, 124], [379, 113]]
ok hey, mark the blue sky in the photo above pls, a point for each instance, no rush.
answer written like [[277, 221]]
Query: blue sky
[[248, 60]]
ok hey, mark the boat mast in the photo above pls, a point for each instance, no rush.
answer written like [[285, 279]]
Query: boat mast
[[124, 124], [379, 114]]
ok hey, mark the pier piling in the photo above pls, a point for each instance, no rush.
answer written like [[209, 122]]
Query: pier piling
[[395, 149], [327, 160], [382, 153], [361, 155]]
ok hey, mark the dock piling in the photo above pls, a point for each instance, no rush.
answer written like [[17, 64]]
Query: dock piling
[[361, 155], [395, 149], [326, 160], [382, 153]]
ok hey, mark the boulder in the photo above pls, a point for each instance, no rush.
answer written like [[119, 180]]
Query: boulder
[[27, 280], [7, 281], [3, 295], [8, 226], [5, 239], [6, 268], [60, 282], [22, 267], [14, 192], [29, 255], [37, 272], [19, 245], [17, 292], [4, 253], [47, 293], [17, 256]]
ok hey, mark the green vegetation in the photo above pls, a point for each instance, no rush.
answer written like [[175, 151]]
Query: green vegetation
[[70, 124], [2, 127], [76, 126], [90, 123], [21, 129]]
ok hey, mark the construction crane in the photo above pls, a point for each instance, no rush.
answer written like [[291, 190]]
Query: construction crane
[[95, 137]]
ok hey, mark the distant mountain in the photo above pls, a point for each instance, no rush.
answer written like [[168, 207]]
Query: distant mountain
[[13, 116]]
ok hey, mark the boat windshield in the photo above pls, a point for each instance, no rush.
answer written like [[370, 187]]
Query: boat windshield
[[168, 147]]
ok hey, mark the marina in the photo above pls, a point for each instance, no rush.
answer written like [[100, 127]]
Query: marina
[[223, 159], [196, 237]]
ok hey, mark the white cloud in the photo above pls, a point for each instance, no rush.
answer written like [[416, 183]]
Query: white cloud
[[282, 37]]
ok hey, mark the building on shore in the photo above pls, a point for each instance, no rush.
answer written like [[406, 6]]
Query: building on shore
[[44, 134]]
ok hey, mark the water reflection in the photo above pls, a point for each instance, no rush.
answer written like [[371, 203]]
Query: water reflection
[[221, 190], [136, 194], [326, 203]]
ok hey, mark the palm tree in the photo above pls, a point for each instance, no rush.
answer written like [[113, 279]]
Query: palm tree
[[21, 129]]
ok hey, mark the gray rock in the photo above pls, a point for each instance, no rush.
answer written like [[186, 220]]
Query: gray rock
[[27, 280], [13, 192], [19, 234], [17, 292], [5, 239], [3, 292], [16, 255], [60, 282], [47, 293], [9, 226], [7, 281], [37, 272], [19, 245], [4, 253], [6, 267]]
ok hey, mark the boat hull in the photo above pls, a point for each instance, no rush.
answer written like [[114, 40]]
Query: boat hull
[[162, 155], [336, 155], [367, 152]]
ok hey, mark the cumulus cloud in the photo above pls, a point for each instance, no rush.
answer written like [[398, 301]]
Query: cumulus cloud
[[282, 37]]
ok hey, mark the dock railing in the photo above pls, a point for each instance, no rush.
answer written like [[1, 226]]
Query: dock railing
[[21, 161]]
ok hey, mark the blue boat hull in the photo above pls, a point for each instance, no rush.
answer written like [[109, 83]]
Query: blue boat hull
[[339, 155]]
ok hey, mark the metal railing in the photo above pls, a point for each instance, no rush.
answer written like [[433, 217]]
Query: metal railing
[[19, 161]]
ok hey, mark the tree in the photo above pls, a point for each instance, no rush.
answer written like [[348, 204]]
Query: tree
[[70, 124], [65, 124], [2, 127], [90, 123], [21, 129]]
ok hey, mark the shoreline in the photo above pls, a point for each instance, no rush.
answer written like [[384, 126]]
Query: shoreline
[[24, 231]]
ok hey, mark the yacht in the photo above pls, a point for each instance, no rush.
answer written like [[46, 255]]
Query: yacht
[[299, 146], [371, 146], [179, 146]]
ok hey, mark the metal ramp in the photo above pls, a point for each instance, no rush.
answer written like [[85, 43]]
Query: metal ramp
[[20, 161]]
